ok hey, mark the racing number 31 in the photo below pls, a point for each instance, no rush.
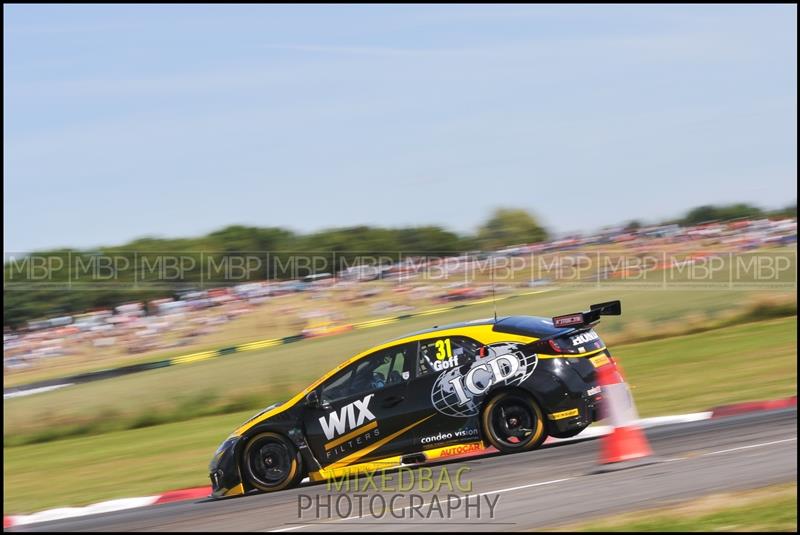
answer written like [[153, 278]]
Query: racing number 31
[[443, 349]]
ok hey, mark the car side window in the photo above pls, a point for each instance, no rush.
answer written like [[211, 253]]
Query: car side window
[[437, 354], [402, 361], [337, 387], [385, 367]]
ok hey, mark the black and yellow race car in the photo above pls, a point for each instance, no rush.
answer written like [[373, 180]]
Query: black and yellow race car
[[507, 382]]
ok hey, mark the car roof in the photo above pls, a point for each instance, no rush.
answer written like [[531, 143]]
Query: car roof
[[533, 326], [436, 328]]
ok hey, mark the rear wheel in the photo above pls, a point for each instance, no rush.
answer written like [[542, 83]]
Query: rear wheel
[[271, 462], [512, 421]]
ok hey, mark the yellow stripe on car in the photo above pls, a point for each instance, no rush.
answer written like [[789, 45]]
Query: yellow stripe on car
[[354, 433], [453, 450], [353, 457], [355, 469], [572, 356], [235, 491]]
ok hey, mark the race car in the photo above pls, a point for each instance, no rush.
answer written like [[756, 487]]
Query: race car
[[507, 382]]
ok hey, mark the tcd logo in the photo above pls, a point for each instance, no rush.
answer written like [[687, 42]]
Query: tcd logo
[[457, 394], [502, 368]]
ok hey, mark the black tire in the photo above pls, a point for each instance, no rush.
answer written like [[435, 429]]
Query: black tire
[[270, 462], [512, 421]]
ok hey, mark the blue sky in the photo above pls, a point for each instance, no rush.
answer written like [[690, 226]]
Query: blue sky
[[126, 121]]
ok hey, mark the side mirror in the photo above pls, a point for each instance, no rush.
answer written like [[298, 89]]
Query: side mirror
[[313, 401]]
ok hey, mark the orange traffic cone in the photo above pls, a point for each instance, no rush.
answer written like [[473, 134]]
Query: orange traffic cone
[[626, 440]]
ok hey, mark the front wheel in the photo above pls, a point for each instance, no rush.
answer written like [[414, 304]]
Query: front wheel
[[512, 422], [271, 462]]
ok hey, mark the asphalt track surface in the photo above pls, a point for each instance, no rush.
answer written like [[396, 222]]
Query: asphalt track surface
[[544, 488]]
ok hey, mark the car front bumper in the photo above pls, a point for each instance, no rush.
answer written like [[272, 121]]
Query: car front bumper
[[224, 470]]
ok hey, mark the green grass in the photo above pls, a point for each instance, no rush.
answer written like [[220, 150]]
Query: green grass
[[686, 373], [772, 508], [138, 462], [253, 379], [695, 372]]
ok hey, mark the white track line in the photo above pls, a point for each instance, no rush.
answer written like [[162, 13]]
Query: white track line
[[655, 421], [73, 512], [751, 446]]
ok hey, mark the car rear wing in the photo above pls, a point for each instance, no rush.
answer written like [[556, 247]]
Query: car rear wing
[[585, 319], [574, 323]]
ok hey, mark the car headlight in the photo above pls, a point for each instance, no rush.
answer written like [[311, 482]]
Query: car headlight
[[225, 446]]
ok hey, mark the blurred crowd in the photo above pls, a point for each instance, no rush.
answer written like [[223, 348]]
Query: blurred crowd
[[181, 320], [740, 235]]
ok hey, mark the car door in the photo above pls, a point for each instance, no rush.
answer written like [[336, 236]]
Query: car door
[[363, 410], [439, 361]]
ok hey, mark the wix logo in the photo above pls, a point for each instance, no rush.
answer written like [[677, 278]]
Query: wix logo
[[337, 422]]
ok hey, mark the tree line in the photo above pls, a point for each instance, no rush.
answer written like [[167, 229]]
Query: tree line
[[76, 280], [67, 281]]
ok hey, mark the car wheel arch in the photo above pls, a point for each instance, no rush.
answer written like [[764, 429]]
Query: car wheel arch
[[241, 448], [500, 389], [504, 389]]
